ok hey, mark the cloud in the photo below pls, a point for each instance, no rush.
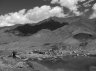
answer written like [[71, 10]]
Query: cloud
[[34, 15], [12, 18], [72, 5], [93, 15], [44, 12], [37, 14]]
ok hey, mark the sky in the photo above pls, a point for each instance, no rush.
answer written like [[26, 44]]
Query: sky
[[33, 11], [7, 6]]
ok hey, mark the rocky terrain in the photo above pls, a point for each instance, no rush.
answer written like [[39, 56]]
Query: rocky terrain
[[69, 47]]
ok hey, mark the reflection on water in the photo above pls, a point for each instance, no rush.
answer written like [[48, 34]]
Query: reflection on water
[[69, 63]]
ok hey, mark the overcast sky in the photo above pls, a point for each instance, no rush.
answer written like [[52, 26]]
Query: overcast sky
[[7, 6]]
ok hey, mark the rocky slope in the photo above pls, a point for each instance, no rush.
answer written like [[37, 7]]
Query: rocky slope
[[67, 48]]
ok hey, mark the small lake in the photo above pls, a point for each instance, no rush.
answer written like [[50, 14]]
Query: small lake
[[67, 63]]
